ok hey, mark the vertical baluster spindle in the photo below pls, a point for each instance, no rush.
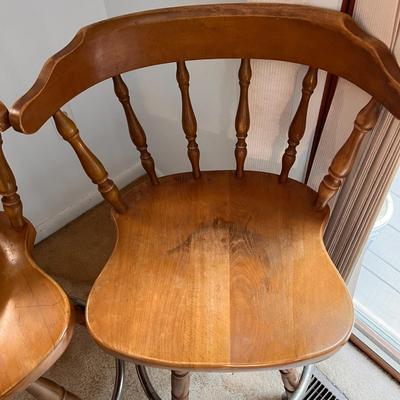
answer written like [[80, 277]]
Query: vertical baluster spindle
[[298, 124], [344, 159], [180, 381], [242, 121], [8, 188], [90, 163], [136, 131], [189, 123]]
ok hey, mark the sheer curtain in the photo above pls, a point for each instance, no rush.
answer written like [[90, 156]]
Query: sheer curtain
[[358, 203], [274, 95]]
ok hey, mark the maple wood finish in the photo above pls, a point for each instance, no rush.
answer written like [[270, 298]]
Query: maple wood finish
[[4, 120], [35, 314], [242, 121], [188, 118], [298, 125], [344, 159], [205, 291], [212, 272], [90, 163], [8, 188], [312, 36], [136, 131]]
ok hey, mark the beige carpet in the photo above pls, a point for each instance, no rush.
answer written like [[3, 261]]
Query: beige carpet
[[75, 255]]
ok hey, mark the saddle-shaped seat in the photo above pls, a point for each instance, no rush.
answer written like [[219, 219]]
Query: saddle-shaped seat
[[220, 272]]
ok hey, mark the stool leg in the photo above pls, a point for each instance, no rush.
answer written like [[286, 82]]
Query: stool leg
[[180, 381], [300, 386], [146, 383], [290, 378], [45, 389], [119, 379]]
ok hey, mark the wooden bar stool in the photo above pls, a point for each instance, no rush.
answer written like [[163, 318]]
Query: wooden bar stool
[[36, 317], [218, 270]]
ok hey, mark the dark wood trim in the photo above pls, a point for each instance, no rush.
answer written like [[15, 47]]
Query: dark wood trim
[[326, 101], [374, 357], [377, 339], [367, 331], [348, 6]]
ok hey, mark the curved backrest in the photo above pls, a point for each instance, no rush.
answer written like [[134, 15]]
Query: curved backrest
[[319, 38], [32, 336]]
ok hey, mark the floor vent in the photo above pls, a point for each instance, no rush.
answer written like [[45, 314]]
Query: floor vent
[[321, 388]]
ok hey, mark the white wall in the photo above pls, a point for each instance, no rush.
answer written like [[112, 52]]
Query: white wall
[[52, 183], [378, 18], [275, 91], [214, 93]]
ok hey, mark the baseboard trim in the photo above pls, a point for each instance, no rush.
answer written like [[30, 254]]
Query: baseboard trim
[[56, 222]]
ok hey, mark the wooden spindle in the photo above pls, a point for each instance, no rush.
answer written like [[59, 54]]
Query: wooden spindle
[[344, 159], [242, 121], [90, 163], [290, 378], [45, 389], [180, 382], [4, 119], [298, 124], [189, 123], [8, 188], [136, 131]]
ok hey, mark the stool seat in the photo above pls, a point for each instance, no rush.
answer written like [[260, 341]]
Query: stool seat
[[220, 273], [36, 322]]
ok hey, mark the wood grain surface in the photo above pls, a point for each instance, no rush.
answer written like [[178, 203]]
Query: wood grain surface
[[4, 119], [242, 120], [344, 159], [189, 123], [136, 132], [220, 273], [316, 37], [36, 319], [36, 323], [298, 125]]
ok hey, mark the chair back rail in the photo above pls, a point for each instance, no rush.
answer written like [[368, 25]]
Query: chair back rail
[[111, 47], [243, 31], [8, 187], [92, 166]]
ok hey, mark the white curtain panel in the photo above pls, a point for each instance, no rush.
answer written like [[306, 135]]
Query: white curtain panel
[[361, 198], [274, 95], [379, 18]]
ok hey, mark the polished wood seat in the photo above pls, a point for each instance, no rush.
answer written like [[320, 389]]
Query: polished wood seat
[[218, 270], [220, 273], [36, 318], [35, 313]]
